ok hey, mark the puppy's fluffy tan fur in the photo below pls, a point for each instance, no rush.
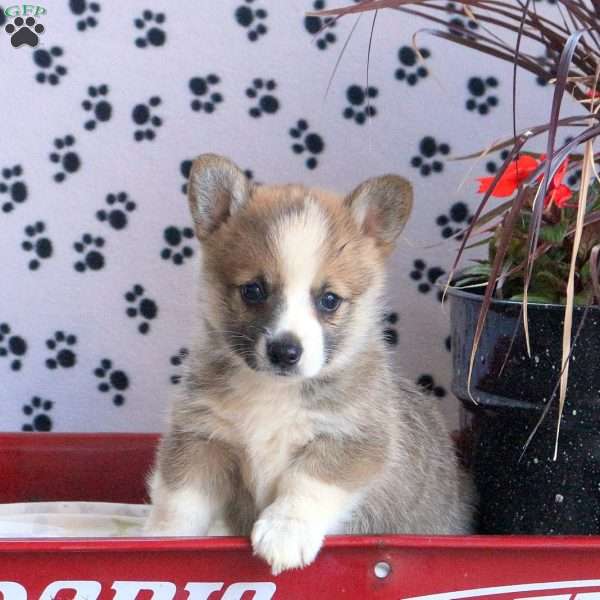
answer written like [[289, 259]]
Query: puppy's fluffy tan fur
[[336, 442]]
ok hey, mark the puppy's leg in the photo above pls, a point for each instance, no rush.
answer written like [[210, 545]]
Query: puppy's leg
[[313, 499], [190, 489]]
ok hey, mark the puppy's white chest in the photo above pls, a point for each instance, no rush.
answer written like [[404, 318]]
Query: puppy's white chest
[[269, 428]]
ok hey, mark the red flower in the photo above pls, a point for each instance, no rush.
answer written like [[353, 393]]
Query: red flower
[[558, 193], [516, 172]]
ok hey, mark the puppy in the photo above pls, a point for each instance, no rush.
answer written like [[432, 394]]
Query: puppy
[[290, 422]]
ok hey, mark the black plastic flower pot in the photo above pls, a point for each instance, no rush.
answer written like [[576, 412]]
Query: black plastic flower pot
[[526, 491]]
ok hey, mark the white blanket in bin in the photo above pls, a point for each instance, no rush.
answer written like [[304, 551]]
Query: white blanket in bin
[[71, 519]]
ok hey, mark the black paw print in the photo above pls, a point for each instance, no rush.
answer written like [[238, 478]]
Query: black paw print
[[459, 22], [412, 69], [184, 168], [310, 141], [16, 190], [428, 147], [61, 345], [178, 250], [176, 360], [40, 245], [460, 215], [492, 167], [427, 383], [13, 347], [267, 103], [549, 63], [112, 380], [321, 27], [85, 12], [97, 104], [38, 410], [2, 16], [251, 19], [360, 107], [24, 31], [390, 333], [426, 278], [141, 307], [142, 115], [481, 99], [201, 86], [66, 158], [153, 35], [45, 59], [119, 206], [91, 257]]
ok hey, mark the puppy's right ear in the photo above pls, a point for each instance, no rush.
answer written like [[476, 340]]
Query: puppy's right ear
[[216, 190]]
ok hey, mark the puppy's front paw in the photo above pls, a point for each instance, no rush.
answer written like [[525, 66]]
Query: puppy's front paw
[[285, 541]]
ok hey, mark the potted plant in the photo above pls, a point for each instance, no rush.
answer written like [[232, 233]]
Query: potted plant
[[526, 319]]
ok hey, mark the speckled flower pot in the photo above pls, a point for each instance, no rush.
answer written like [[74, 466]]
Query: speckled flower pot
[[534, 495]]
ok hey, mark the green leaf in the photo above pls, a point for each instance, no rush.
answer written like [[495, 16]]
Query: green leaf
[[533, 298], [555, 234]]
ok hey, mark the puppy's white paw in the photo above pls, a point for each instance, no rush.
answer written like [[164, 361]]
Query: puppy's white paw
[[285, 541]]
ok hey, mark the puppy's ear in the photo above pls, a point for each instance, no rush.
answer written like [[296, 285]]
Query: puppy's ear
[[217, 189], [381, 206]]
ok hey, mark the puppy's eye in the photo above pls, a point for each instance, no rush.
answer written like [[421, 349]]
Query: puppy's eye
[[329, 302], [253, 293]]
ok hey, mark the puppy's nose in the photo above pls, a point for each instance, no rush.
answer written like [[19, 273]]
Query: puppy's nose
[[284, 351]]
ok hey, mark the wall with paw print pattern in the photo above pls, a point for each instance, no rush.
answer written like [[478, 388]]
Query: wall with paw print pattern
[[100, 122]]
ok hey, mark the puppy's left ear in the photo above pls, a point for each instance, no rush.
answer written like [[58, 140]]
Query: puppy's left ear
[[381, 206]]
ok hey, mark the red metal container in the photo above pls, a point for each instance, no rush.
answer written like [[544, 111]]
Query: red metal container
[[111, 467]]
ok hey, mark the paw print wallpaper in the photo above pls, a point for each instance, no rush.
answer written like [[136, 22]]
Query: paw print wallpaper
[[106, 104]]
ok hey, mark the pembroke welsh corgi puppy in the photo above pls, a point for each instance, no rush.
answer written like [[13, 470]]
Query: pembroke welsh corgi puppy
[[290, 421]]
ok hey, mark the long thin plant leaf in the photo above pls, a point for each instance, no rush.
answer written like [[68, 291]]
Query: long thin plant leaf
[[568, 322], [538, 205]]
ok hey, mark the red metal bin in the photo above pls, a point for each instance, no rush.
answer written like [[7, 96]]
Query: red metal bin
[[100, 467]]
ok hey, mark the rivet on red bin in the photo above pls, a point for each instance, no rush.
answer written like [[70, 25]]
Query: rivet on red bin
[[382, 569]]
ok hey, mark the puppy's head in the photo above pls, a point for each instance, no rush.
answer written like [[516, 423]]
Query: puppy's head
[[293, 276]]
